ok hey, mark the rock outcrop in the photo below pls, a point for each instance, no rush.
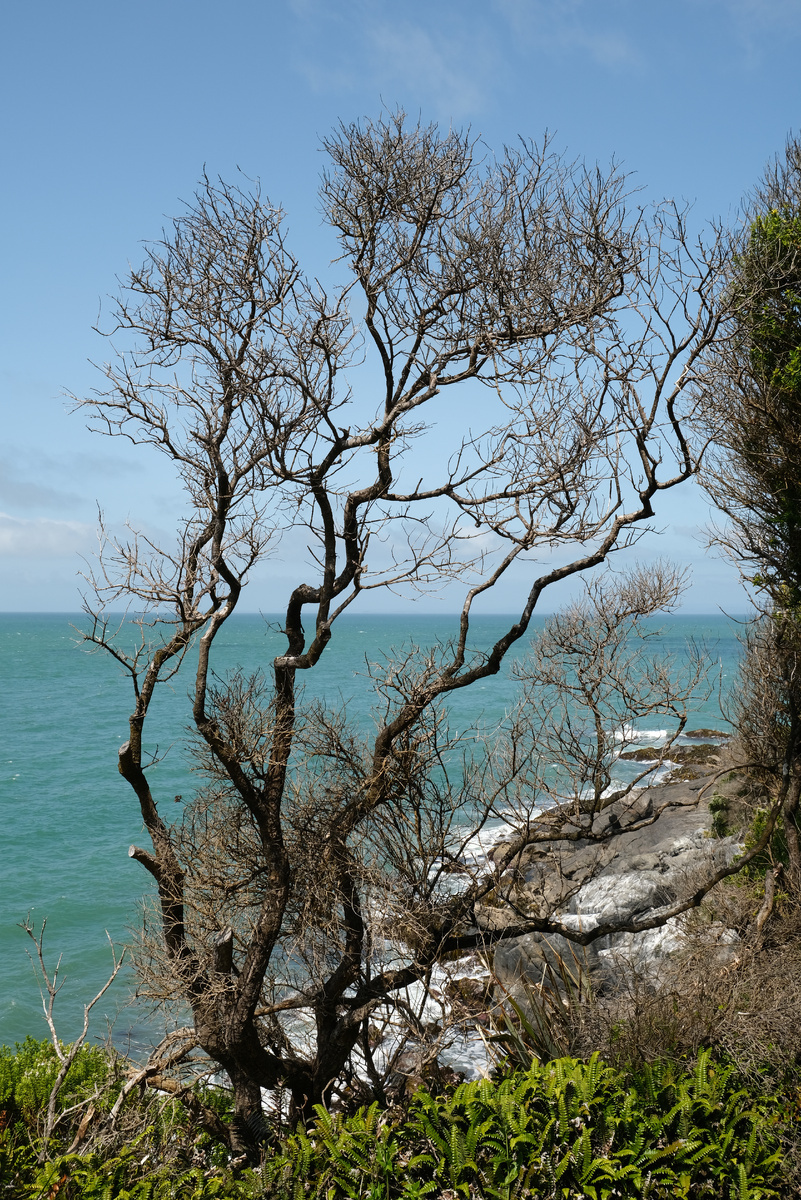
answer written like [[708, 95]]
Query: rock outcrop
[[628, 876]]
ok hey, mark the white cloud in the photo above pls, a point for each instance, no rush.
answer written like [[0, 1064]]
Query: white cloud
[[22, 537], [31, 479], [432, 56], [18, 491], [560, 26], [454, 71]]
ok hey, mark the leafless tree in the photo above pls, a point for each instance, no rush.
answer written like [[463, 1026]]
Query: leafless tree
[[306, 847], [50, 987], [592, 672]]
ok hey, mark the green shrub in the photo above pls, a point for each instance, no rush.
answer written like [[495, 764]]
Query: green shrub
[[719, 808], [27, 1075], [774, 854], [563, 1129], [121, 1178], [129, 1175]]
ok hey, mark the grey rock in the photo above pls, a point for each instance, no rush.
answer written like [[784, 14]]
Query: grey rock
[[623, 877], [643, 862], [544, 961], [641, 954], [588, 861], [619, 897]]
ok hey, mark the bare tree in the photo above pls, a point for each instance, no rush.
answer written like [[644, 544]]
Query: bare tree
[[592, 672], [49, 987], [524, 276]]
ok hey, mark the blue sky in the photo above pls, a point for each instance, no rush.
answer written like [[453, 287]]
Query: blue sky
[[111, 111]]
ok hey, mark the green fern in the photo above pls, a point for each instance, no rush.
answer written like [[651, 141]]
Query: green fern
[[560, 1129]]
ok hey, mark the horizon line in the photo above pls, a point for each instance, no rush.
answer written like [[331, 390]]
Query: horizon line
[[64, 612]]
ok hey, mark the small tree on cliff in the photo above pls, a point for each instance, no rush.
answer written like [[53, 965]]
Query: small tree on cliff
[[752, 413], [308, 846]]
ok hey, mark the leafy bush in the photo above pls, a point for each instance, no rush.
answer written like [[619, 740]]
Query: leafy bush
[[153, 1151], [564, 1129], [27, 1075], [91, 1177], [774, 854], [133, 1174], [719, 808]]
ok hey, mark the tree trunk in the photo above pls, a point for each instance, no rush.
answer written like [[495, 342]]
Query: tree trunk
[[791, 834], [248, 1127]]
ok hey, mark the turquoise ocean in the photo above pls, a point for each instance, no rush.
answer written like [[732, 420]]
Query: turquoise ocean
[[68, 817]]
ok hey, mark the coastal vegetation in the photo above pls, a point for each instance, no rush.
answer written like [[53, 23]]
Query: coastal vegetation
[[317, 894], [557, 1129], [542, 340], [750, 412]]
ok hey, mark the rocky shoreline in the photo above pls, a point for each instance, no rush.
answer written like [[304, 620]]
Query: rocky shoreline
[[585, 883], [629, 876]]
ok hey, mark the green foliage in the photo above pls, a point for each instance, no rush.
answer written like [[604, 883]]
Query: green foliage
[[775, 852], [17, 1161], [719, 808], [155, 1163], [129, 1175], [537, 1024], [766, 437], [776, 315], [27, 1075], [92, 1177], [563, 1129]]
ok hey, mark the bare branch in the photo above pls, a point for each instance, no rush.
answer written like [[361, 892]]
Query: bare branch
[[49, 988], [316, 871]]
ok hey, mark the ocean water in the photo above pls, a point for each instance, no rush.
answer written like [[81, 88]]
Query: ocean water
[[68, 817]]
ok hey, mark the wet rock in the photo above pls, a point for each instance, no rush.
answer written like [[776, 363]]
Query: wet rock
[[642, 862], [707, 735], [685, 773], [704, 753]]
